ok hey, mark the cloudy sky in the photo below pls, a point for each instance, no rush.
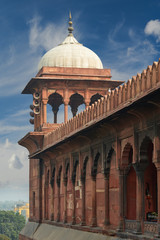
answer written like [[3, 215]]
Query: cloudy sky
[[124, 33]]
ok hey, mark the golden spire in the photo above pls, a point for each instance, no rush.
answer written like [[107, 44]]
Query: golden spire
[[70, 28]]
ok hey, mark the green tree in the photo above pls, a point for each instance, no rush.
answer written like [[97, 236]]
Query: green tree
[[11, 224], [4, 237]]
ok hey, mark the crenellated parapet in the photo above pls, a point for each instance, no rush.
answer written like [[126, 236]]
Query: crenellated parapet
[[124, 95]]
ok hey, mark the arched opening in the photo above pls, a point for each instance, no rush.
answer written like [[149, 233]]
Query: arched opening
[[75, 101], [54, 100], [130, 185], [131, 194], [150, 181], [95, 98]]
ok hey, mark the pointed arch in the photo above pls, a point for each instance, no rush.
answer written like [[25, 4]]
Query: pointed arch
[[129, 182], [95, 98], [84, 167], [55, 100], [75, 101], [150, 178], [144, 148], [127, 154], [74, 171], [95, 165], [107, 161]]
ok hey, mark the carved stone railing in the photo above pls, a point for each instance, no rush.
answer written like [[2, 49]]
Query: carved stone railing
[[117, 99], [130, 225], [150, 227]]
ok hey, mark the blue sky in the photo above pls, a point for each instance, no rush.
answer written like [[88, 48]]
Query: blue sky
[[125, 34]]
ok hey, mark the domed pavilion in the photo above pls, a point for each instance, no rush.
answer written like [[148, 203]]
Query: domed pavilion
[[68, 74]]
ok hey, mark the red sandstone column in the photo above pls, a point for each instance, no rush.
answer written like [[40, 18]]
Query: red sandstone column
[[65, 111], [52, 202], [44, 111], [52, 211], [140, 199], [40, 189], [87, 99], [87, 103], [73, 196], [55, 116], [66, 101], [58, 206], [65, 200], [121, 200], [83, 221], [94, 219], [158, 197], [106, 178]]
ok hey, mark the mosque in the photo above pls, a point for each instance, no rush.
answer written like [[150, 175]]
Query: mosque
[[97, 174]]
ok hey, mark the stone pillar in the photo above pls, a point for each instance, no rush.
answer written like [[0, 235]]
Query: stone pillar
[[40, 189], [52, 198], [106, 179], [58, 193], [94, 210], [73, 196], [65, 200], [158, 197], [66, 101], [121, 200], [140, 197], [52, 205], [83, 221], [65, 111], [46, 201], [44, 110], [87, 104], [87, 98], [55, 111]]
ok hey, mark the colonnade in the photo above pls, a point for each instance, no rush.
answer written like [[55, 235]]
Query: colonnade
[[60, 202]]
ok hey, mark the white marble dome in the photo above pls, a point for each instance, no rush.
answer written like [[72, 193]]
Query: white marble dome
[[70, 53]]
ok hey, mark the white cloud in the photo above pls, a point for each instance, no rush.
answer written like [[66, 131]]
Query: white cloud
[[153, 28], [130, 56], [20, 113], [5, 128], [46, 37], [19, 62], [13, 157], [14, 162]]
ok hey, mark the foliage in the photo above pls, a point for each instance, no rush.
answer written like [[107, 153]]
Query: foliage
[[11, 224], [4, 237]]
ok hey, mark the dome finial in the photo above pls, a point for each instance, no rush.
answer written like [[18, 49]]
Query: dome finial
[[70, 28]]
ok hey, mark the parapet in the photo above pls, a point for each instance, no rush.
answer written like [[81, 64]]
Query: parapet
[[122, 96]]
